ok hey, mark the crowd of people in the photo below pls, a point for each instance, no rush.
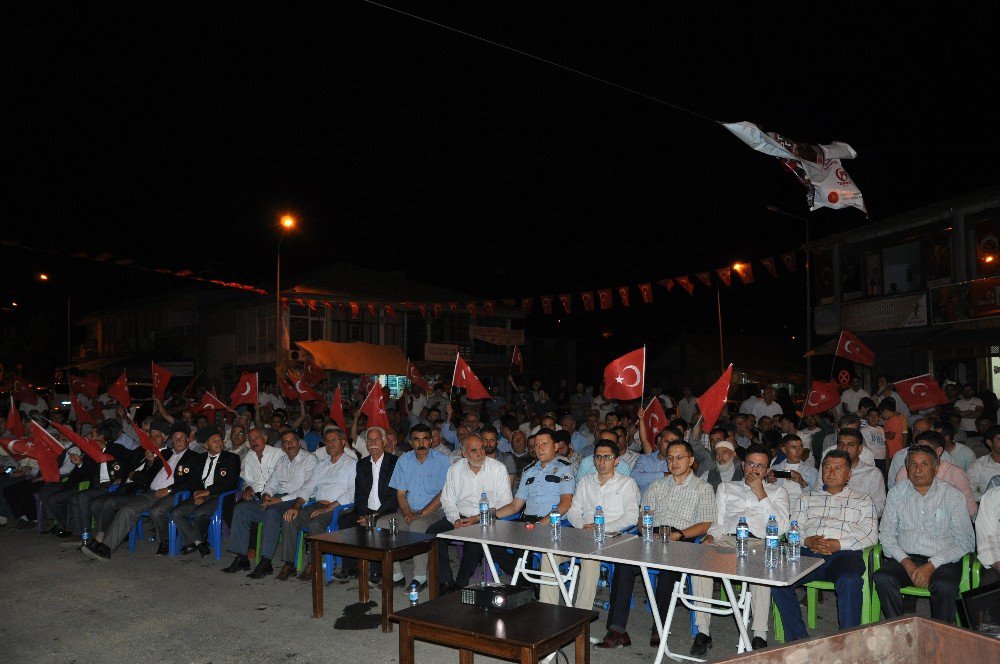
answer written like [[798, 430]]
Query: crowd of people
[[867, 473]]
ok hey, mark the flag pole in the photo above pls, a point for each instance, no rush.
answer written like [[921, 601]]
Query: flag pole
[[643, 371]]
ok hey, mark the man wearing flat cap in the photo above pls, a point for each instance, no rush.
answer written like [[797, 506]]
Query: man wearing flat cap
[[218, 474]]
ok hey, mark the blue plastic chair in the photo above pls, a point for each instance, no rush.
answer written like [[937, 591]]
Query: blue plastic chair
[[136, 533], [214, 525], [329, 559]]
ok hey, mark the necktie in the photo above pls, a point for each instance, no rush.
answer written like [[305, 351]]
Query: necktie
[[208, 470]]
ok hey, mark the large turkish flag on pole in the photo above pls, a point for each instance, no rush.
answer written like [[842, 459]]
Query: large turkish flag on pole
[[714, 400], [850, 348], [822, 397], [625, 378], [465, 377], [921, 392]]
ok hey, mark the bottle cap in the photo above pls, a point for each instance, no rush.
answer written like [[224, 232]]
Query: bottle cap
[[599, 507]]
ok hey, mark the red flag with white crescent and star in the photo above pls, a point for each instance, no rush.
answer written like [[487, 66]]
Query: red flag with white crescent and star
[[86, 445], [465, 377], [337, 408], [714, 400], [517, 359], [85, 385], [374, 407], [623, 294], [646, 290], [119, 391], [604, 298], [42, 448], [416, 377], [15, 447], [161, 377], [851, 348], [655, 418], [209, 404], [82, 416], [305, 392], [14, 423], [23, 392], [745, 270], [624, 378], [246, 391], [546, 304], [567, 302], [287, 391], [526, 305], [147, 443], [686, 284], [312, 374], [588, 300], [921, 392], [823, 396], [769, 264]]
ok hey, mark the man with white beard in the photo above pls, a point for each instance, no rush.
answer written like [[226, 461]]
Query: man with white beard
[[726, 469]]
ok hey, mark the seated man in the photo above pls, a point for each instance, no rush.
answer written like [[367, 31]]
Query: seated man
[[803, 474], [219, 474], [756, 500], [925, 531], [465, 484], [988, 535], [282, 492], [685, 504], [985, 468], [724, 467], [836, 522], [330, 486], [653, 465], [865, 477], [947, 471], [618, 497]]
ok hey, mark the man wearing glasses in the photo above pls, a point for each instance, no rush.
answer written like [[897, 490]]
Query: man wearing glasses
[[754, 499]]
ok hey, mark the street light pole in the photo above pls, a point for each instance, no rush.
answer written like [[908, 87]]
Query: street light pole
[[777, 210], [287, 223]]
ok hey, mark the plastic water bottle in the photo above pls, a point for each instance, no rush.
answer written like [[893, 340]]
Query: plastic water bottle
[[484, 510], [602, 604], [414, 595], [555, 523], [599, 533], [771, 553], [86, 537], [742, 538], [602, 580], [647, 524], [794, 543]]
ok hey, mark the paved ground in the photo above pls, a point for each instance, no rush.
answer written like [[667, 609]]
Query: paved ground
[[64, 607]]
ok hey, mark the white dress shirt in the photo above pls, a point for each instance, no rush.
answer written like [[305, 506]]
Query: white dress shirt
[[208, 471], [162, 481], [736, 499], [794, 489], [290, 476], [981, 471], [374, 503], [618, 498], [332, 482], [463, 488], [256, 472], [988, 527]]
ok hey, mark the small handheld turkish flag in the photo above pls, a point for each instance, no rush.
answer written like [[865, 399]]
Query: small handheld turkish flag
[[517, 359], [822, 397], [161, 377], [146, 442], [312, 374], [23, 392], [337, 408], [16, 447], [246, 391], [287, 390], [374, 407], [714, 400], [42, 448], [464, 377], [624, 378], [88, 446], [14, 423], [850, 348], [654, 418], [209, 404], [305, 392], [82, 416], [84, 385], [119, 391], [416, 377], [921, 392]]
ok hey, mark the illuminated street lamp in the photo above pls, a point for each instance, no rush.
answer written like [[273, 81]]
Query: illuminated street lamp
[[287, 223]]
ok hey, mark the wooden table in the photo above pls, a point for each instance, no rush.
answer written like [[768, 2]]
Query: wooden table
[[379, 546], [524, 634]]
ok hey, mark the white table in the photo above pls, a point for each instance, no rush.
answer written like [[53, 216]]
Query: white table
[[698, 559]]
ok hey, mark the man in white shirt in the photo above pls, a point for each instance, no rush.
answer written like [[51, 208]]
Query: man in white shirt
[[988, 535], [969, 406], [757, 501], [258, 464], [865, 477], [748, 404], [687, 407], [985, 468], [466, 482], [852, 396], [801, 477], [767, 406], [281, 492], [330, 485], [961, 455]]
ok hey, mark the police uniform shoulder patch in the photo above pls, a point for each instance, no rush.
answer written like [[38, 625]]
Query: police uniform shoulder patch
[[564, 462]]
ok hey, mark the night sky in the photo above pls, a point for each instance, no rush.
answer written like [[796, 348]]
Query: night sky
[[175, 134]]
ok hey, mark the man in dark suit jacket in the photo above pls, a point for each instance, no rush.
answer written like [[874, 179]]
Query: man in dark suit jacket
[[219, 473], [373, 496]]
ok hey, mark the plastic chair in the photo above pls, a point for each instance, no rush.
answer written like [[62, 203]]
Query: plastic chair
[[40, 508], [329, 559], [136, 533], [214, 525], [964, 584]]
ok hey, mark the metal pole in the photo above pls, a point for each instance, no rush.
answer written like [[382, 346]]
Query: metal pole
[[718, 308], [277, 303], [69, 331], [808, 313]]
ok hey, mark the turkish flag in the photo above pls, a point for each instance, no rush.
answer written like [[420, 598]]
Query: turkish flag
[[305, 392], [14, 423], [705, 278], [365, 384], [822, 397], [464, 377], [160, 379], [624, 378], [374, 407], [526, 305], [246, 391], [789, 261], [471, 308], [686, 284], [547, 304], [119, 391], [588, 300], [82, 416], [921, 392], [850, 348], [287, 390], [88, 446], [147, 443], [725, 275], [604, 298], [312, 374], [17, 448], [655, 418], [337, 408], [769, 264], [417, 378], [714, 399], [209, 404], [84, 385], [666, 283], [488, 308], [517, 359], [623, 294], [42, 448], [567, 302], [22, 392], [646, 290], [745, 270]]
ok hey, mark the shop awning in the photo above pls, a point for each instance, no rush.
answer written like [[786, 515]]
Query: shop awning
[[357, 357]]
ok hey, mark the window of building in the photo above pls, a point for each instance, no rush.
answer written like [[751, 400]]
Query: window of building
[[986, 234], [937, 258], [901, 270]]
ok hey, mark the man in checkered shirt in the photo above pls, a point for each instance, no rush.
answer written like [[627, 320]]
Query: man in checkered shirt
[[836, 523]]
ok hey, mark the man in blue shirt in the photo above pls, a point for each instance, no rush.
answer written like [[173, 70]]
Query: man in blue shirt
[[418, 479], [653, 466]]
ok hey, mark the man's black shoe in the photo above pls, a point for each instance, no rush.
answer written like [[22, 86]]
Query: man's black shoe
[[374, 579], [401, 582], [757, 643], [163, 549], [421, 586], [239, 563], [447, 587], [204, 549], [701, 645], [98, 552], [344, 577], [262, 571], [188, 548]]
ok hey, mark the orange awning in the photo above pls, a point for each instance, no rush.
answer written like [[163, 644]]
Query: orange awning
[[357, 357]]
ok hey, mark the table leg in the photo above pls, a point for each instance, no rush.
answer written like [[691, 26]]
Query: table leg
[[317, 588], [405, 644], [432, 570], [583, 645], [489, 559], [387, 584], [363, 580], [744, 643], [466, 656]]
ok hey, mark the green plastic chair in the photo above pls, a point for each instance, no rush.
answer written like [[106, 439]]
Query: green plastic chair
[[964, 584]]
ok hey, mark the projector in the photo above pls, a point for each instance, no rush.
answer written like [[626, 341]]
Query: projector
[[497, 596]]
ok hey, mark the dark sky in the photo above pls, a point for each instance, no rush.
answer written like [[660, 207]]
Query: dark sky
[[175, 134]]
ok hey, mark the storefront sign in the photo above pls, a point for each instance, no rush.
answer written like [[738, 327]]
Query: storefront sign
[[968, 300], [499, 336], [889, 313], [440, 352]]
